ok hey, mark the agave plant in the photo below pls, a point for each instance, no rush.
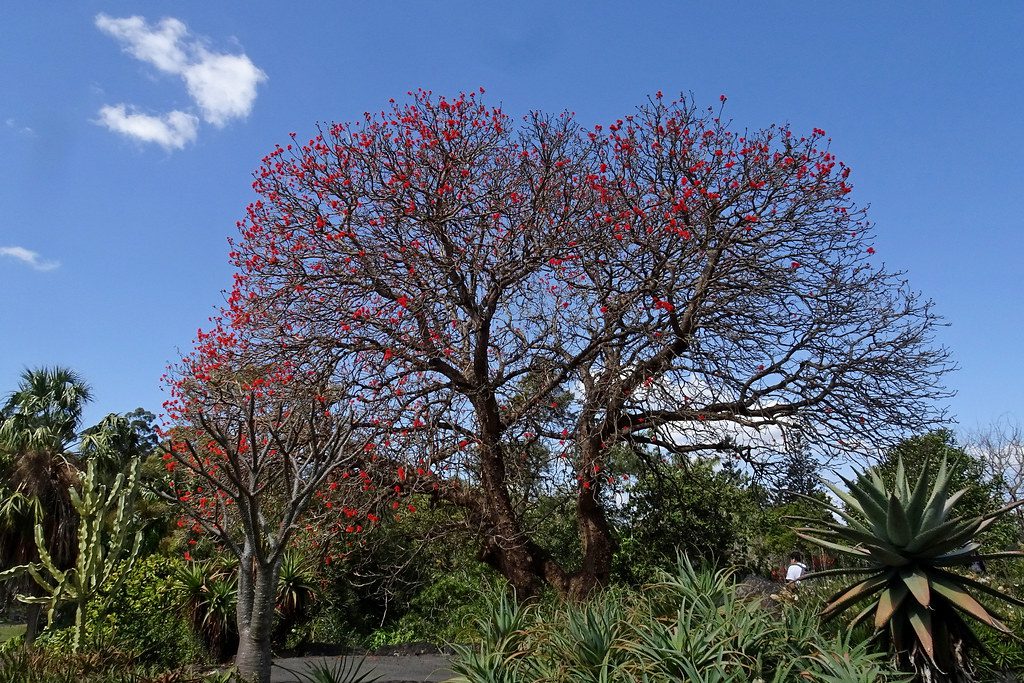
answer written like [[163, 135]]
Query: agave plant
[[912, 548], [208, 594], [296, 591], [345, 670]]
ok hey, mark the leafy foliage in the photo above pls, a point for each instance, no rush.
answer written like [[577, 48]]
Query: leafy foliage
[[119, 440], [908, 543], [139, 614], [414, 579], [103, 541], [690, 507], [708, 512], [42, 454], [38, 426], [691, 626], [1004, 654]]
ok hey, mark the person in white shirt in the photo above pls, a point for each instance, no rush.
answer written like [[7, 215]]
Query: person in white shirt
[[796, 567]]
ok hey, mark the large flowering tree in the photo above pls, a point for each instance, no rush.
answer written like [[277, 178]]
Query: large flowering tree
[[533, 294], [251, 449]]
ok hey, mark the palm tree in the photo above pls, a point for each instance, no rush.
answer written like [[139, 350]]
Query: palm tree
[[38, 427]]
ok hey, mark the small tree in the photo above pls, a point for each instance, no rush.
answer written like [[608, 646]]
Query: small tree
[[250, 449], [1000, 448], [693, 509]]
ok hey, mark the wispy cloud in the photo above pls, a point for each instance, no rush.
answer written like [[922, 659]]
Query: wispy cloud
[[223, 86], [173, 130], [29, 258], [159, 45], [20, 129]]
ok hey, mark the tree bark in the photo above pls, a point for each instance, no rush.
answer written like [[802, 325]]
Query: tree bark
[[528, 567], [598, 546], [509, 548], [32, 624], [257, 592]]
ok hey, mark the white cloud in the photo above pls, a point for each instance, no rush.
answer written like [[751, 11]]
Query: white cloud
[[29, 258], [173, 130], [158, 45], [223, 86]]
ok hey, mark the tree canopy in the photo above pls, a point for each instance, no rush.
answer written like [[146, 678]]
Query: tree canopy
[[510, 289]]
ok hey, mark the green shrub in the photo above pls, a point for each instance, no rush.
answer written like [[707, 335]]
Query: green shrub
[[707, 512], [690, 626], [416, 579], [444, 610], [141, 618], [692, 508]]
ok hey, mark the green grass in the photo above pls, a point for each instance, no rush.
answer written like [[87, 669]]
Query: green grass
[[8, 631]]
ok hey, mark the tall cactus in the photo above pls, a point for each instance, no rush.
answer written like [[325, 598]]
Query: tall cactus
[[97, 556]]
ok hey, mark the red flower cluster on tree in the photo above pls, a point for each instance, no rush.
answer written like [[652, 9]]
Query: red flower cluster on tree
[[509, 301]]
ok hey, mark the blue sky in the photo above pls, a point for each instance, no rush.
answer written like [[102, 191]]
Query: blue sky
[[128, 144]]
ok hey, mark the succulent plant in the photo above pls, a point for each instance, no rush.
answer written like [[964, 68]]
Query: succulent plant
[[911, 549], [104, 544]]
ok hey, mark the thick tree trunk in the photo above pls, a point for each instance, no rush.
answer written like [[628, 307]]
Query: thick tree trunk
[[598, 545], [525, 565], [595, 532], [528, 567], [257, 592], [508, 547]]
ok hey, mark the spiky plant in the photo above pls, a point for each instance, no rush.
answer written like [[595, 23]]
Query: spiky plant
[[296, 592], [296, 587], [208, 594], [909, 545]]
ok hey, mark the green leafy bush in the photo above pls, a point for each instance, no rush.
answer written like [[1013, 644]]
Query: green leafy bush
[[707, 512], [692, 625], [416, 579], [693, 509], [141, 618]]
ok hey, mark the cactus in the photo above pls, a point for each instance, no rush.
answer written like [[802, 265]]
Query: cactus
[[97, 557]]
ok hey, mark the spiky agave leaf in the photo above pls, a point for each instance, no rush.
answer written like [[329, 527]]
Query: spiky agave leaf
[[906, 538]]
